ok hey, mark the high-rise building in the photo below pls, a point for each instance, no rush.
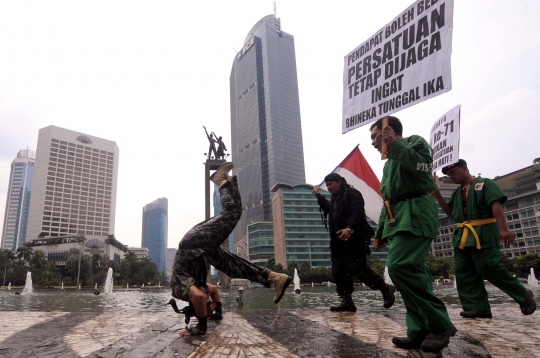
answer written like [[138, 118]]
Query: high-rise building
[[155, 228], [74, 186], [18, 200], [266, 132]]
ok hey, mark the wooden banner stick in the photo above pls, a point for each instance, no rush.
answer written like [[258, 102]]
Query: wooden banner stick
[[384, 148]]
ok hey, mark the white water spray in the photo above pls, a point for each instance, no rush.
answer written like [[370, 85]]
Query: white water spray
[[108, 282], [28, 285], [532, 280]]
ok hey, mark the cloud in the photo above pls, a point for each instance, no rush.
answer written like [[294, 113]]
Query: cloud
[[489, 137]]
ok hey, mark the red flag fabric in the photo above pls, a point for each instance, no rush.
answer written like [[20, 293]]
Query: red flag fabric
[[356, 170]]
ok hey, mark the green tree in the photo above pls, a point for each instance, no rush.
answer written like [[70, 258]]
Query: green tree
[[291, 265], [439, 266], [271, 263], [279, 268], [48, 274], [523, 264], [72, 266], [38, 260], [24, 253], [376, 264], [96, 260]]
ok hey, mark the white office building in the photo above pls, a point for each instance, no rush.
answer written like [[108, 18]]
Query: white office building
[[18, 200], [74, 186]]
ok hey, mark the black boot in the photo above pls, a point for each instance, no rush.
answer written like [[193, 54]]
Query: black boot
[[529, 305], [388, 295], [346, 305]]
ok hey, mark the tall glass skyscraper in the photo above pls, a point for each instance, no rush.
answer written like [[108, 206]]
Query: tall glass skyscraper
[[266, 131], [155, 228], [18, 200]]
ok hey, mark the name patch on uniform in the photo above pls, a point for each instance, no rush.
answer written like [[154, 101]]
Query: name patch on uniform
[[478, 186]]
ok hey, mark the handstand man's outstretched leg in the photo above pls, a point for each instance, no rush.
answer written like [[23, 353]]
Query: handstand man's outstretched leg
[[201, 247]]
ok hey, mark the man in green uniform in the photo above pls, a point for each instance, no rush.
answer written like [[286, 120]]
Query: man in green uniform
[[476, 206], [408, 223]]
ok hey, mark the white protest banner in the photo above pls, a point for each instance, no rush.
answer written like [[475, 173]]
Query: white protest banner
[[404, 63], [444, 139]]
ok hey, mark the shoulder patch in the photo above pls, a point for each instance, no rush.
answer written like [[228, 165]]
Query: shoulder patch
[[478, 186], [408, 144]]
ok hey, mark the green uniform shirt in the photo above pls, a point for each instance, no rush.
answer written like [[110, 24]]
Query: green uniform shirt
[[481, 194], [408, 169]]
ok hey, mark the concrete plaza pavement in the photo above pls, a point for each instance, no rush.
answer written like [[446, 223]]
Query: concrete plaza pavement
[[257, 333]]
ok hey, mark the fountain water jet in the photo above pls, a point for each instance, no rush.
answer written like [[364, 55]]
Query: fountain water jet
[[108, 282], [9, 286], [62, 286], [532, 280], [95, 286], [28, 285]]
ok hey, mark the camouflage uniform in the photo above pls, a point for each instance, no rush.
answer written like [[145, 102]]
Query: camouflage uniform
[[201, 247]]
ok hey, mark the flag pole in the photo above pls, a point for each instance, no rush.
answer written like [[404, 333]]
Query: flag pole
[[384, 146]]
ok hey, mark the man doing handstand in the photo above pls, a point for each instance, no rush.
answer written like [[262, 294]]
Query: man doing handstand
[[201, 247]]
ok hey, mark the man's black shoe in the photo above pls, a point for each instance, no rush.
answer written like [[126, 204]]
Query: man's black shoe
[[346, 305], [529, 305], [389, 296], [476, 314], [436, 341], [406, 343]]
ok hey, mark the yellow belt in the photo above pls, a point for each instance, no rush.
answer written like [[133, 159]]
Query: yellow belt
[[468, 225]]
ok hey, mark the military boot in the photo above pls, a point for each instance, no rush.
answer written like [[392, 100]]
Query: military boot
[[281, 282], [220, 176], [346, 305], [529, 305], [389, 297]]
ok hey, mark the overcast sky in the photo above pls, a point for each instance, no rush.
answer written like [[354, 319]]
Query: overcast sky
[[150, 74]]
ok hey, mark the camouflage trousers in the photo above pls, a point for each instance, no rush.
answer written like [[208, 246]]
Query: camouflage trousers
[[201, 247]]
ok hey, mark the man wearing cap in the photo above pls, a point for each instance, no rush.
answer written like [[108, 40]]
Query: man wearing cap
[[201, 247], [408, 223], [350, 236], [476, 206]]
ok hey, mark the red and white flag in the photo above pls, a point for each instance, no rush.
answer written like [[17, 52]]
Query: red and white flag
[[356, 170]]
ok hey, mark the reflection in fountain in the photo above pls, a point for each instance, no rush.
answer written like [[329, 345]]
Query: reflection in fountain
[[28, 285], [108, 282], [532, 280], [387, 278]]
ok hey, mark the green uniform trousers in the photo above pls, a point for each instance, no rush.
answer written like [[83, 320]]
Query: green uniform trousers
[[409, 273], [472, 267]]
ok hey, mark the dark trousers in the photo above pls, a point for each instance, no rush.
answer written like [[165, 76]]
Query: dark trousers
[[201, 247], [348, 261]]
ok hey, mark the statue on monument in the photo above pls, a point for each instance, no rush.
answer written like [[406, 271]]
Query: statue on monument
[[213, 139]]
